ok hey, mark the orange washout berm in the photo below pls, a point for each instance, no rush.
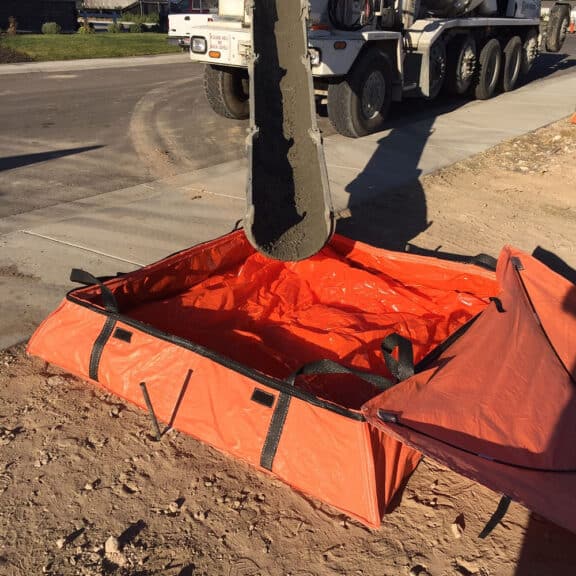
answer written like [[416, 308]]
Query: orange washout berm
[[336, 372], [332, 364]]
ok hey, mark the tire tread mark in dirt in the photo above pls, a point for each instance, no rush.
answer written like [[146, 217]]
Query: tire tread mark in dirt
[[155, 149]]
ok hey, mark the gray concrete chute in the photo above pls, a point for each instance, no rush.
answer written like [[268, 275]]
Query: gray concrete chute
[[289, 214]]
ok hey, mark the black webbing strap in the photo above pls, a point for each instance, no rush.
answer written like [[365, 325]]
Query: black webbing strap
[[83, 277], [283, 401], [326, 366], [98, 347], [402, 368], [484, 261], [110, 305], [275, 430], [496, 518], [442, 347], [498, 303]]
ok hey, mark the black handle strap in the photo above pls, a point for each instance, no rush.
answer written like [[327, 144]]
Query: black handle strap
[[402, 368], [83, 277], [484, 261], [326, 366]]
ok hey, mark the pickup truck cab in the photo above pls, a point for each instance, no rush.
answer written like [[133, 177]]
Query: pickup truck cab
[[185, 15]]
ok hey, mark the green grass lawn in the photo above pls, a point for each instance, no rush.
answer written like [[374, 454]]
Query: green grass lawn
[[74, 46]]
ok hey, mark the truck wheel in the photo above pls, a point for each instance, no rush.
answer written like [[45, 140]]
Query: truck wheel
[[512, 63], [437, 68], [529, 51], [489, 66], [359, 104], [557, 28], [460, 65], [227, 91]]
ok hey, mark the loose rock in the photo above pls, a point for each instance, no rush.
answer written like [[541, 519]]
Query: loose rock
[[112, 545], [456, 530], [200, 515], [56, 380], [458, 526]]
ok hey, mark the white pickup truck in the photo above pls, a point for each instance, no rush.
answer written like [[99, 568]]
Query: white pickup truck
[[188, 14]]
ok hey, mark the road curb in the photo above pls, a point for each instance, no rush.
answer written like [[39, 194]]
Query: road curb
[[92, 64]]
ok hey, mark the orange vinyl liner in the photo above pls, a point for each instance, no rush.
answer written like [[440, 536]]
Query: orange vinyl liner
[[499, 404], [219, 334]]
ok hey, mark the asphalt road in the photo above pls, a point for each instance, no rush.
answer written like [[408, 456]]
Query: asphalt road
[[74, 134]]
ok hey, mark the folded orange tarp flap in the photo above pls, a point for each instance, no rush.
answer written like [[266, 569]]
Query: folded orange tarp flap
[[499, 405]]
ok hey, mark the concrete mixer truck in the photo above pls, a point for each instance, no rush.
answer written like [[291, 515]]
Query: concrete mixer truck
[[365, 54]]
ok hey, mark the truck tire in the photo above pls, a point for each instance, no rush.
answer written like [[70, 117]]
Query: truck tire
[[512, 63], [460, 65], [489, 66], [226, 91], [557, 28], [437, 69], [529, 51], [359, 104]]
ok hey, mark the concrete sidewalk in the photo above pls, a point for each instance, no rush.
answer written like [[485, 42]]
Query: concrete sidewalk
[[92, 64], [122, 230]]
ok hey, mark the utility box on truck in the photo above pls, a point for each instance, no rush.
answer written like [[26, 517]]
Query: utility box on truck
[[366, 54]]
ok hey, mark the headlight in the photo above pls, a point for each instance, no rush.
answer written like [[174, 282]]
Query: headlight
[[315, 57], [198, 44]]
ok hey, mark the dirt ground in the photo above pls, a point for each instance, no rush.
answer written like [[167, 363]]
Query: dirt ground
[[85, 490]]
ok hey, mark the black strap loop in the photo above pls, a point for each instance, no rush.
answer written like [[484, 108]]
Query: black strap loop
[[498, 304], [326, 366], [83, 277], [403, 368], [443, 346], [275, 430]]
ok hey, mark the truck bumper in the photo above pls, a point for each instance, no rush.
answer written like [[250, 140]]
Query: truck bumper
[[331, 54]]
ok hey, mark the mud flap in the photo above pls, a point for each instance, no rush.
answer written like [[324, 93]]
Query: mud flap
[[289, 213]]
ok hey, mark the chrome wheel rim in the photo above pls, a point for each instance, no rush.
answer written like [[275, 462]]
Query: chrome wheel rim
[[467, 64], [373, 95]]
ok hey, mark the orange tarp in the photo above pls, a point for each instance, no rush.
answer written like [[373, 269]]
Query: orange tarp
[[499, 405], [217, 330]]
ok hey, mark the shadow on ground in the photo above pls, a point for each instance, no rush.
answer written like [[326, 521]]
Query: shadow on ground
[[11, 162], [397, 211]]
